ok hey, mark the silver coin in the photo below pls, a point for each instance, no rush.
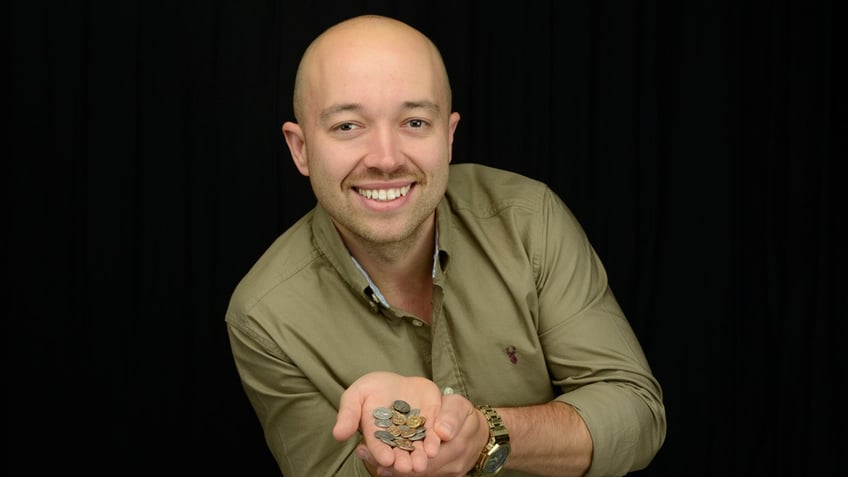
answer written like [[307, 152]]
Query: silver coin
[[395, 421]]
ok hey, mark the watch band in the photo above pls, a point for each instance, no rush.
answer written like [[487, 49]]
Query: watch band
[[496, 449]]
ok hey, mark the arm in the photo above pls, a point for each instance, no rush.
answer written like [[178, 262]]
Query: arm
[[606, 416], [594, 356], [295, 414], [548, 439]]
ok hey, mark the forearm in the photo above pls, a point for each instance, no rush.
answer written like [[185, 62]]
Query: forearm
[[561, 449]]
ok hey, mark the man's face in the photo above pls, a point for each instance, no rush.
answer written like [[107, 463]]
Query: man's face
[[377, 138]]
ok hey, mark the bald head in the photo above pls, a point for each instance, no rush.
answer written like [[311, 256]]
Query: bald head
[[368, 48]]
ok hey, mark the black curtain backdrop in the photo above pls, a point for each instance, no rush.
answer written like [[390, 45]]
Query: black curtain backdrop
[[699, 142]]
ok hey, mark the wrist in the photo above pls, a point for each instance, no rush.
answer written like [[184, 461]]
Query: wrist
[[496, 448]]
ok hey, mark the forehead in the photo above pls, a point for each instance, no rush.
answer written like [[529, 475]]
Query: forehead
[[379, 68]]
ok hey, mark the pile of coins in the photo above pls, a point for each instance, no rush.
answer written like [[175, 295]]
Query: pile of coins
[[400, 425]]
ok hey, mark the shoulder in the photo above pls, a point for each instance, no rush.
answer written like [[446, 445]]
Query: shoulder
[[476, 186], [292, 252], [479, 194]]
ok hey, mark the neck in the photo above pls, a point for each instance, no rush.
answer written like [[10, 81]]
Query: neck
[[402, 270], [397, 261]]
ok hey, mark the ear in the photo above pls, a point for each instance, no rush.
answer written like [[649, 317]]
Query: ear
[[297, 146], [453, 122]]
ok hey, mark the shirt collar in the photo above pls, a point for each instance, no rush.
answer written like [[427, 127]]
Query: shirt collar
[[328, 241]]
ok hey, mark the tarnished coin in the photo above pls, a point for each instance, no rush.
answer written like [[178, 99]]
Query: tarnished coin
[[399, 425], [398, 418], [401, 406], [405, 444]]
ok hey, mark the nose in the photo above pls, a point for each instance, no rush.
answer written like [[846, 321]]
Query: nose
[[384, 149]]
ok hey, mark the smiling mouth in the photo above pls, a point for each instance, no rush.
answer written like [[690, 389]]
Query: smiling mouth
[[384, 195]]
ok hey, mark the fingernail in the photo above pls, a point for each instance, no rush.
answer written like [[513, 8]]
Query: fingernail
[[361, 453]]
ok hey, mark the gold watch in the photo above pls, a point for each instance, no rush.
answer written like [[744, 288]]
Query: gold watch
[[493, 457]]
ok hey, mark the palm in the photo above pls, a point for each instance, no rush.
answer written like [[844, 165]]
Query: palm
[[381, 390]]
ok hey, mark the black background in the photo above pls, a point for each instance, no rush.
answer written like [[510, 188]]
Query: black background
[[700, 143]]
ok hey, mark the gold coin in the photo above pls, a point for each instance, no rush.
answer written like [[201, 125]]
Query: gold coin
[[405, 444], [415, 421]]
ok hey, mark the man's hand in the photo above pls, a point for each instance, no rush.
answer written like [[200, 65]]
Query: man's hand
[[381, 389], [454, 430]]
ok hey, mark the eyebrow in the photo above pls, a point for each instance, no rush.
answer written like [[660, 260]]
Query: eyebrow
[[422, 105], [338, 108], [345, 107]]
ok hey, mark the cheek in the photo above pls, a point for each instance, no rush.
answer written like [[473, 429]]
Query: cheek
[[432, 154], [328, 167]]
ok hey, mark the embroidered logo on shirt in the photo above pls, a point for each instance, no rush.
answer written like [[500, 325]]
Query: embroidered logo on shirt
[[511, 352]]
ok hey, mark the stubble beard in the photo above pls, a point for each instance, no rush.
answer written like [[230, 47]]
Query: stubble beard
[[390, 247], [374, 237]]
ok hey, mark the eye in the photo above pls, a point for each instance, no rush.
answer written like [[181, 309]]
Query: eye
[[346, 127], [416, 123]]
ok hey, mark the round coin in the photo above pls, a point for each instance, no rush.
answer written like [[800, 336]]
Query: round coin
[[414, 421], [399, 425], [398, 418], [405, 444], [401, 406]]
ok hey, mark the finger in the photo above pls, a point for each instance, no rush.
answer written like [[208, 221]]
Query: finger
[[455, 410], [420, 459], [371, 462], [384, 455], [432, 443], [403, 461], [365, 455]]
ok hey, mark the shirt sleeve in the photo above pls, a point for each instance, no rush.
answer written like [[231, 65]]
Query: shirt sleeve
[[284, 399], [592, 352]]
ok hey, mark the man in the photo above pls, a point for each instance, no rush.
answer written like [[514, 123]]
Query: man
[[467, 294]]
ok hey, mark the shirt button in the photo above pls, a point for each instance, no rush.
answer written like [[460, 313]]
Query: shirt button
[[417, 323]]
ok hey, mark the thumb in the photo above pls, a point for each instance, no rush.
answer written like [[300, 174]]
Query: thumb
[[349, 415], [455, 412]]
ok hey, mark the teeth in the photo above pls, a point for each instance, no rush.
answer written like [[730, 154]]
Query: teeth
[[383, 195]]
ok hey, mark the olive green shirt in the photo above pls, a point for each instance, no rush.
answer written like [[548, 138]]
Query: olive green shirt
[[522, 315]]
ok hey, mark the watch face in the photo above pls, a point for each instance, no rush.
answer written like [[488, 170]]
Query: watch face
[[496, 459]]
